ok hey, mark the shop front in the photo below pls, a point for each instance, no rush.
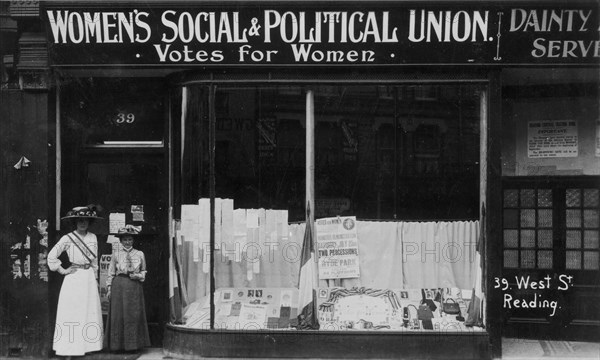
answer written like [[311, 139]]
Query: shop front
[[341, 179]]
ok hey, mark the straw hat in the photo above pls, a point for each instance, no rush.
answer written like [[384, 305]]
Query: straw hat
[[85, 212], [128, 230]]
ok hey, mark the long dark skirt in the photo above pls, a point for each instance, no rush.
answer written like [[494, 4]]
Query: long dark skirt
[[126, 327]]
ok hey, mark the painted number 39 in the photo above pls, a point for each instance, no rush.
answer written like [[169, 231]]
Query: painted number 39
[[123, 118]]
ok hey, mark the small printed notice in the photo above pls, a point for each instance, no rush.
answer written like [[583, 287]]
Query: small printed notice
[[115, 222], [337, 243], [137, 212], [253, 316], [552, 139], [111, 239]]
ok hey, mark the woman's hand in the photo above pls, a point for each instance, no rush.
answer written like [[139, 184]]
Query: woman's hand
[[67, 271], [108, 293], [135, 276]]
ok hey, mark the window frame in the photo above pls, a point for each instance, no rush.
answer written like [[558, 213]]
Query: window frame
[[214, 80]]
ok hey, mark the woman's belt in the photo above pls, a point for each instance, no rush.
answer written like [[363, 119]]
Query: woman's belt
[[80, 266], [123, 275]]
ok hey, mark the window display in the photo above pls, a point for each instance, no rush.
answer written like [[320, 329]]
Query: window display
[[257, 269]]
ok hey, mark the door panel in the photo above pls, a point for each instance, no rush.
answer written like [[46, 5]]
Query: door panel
[[551, 228], [118, 181]]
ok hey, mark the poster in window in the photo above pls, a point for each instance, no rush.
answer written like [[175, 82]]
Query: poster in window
[[337, 243], [552, 139], [104, 265]]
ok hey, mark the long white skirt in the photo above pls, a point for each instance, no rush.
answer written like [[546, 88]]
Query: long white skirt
[[78, 327]]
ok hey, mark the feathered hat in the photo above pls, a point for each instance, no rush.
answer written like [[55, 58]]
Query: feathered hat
[[87, 212]]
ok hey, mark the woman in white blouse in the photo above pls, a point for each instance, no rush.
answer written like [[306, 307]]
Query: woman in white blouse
[[78, 327], [126, 328]]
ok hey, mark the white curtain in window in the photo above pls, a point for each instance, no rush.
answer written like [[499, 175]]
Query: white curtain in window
[[438, 254], [392, 255]]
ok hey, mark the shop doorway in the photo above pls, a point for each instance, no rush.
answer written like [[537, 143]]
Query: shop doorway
[[132, 182], [551, 227], [135, 185], [114, 153]]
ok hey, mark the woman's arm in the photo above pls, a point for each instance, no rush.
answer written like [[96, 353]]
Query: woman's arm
[[143, 270], [94, 248], [54, 263], [141, 274], [112, 268]]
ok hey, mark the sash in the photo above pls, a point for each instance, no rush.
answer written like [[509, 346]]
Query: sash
[[87, 253]]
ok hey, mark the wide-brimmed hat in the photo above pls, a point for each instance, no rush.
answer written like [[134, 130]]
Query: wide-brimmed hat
[[85, 212], [128, 230]]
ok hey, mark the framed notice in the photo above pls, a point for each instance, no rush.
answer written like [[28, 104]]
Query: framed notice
[[552, 139]]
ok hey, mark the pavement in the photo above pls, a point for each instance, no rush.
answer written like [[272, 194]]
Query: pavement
[[521, 349], [512, 349]]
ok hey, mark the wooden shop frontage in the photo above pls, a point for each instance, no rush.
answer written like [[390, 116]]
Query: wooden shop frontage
[[315, 180]]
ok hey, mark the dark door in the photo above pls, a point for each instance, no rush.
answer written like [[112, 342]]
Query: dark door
[[113, 153], [135, 183], [551, 231]]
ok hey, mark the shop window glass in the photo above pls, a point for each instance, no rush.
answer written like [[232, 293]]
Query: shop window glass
[[511, 198], [260, 148], [573, 239], [511, 238], [573, 198], [527, 218], [391, 161], [590, 218], [591, 197], [544, 198], [401, 153], [590, 260], [527, 238], [573, 260], [545, 259], [531, 226], [511, 259], [527, 198], [192, 144], [573, 218], [545, 218], [545, 239], [383, 152], [527, 259], [591, 239], [511, 218], [582, 221]]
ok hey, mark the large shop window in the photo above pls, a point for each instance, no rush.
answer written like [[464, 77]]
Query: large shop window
[[397, 184]]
